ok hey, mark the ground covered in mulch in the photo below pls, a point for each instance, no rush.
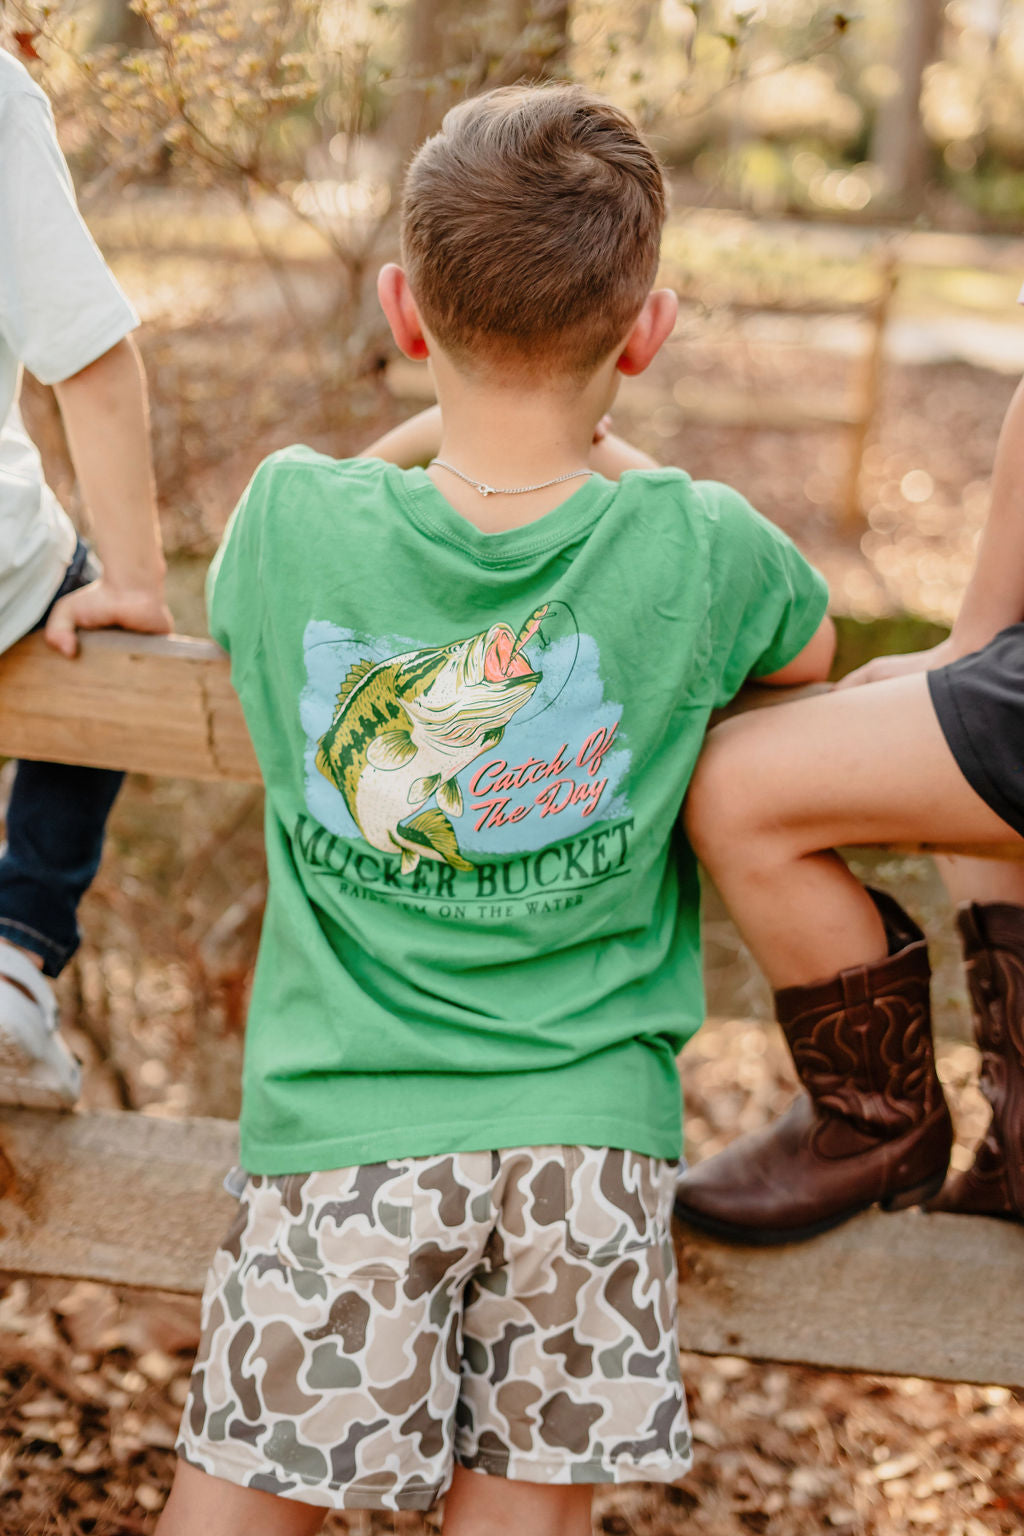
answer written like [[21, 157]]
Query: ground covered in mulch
[[91, 1381]]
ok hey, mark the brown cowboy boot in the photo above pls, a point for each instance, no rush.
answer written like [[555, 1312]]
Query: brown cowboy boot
[[993, 943], [873, 1124]]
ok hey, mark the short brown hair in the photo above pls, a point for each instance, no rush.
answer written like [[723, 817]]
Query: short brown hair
[[530, 228]]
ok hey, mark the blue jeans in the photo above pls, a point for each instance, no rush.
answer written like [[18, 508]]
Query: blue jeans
[[55, 824]]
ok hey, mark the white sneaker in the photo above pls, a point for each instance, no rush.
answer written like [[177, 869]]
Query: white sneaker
[[37, 1069]]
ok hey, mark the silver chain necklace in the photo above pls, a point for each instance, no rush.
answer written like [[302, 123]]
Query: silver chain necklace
[[508, 490]]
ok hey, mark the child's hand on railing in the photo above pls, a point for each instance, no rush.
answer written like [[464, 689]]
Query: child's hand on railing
[[102, 606], [883, 667]]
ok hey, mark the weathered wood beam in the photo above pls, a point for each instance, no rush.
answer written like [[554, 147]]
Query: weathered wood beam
[[137, 1201], [906, 1294], [147, 703], [164, 705], [125, 1198]]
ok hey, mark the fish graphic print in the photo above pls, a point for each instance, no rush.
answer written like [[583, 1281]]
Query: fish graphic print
[[405, 728]]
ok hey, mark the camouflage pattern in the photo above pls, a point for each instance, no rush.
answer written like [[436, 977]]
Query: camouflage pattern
[[516, 1309]]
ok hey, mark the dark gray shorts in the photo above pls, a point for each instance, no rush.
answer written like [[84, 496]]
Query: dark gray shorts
[[979, 701]]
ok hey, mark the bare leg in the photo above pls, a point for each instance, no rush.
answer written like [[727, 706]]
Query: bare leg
[[773, 795], [200, 1503], [480, 1505], [778, 789], [991, 929]]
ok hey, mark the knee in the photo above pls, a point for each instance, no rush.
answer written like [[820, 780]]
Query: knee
[[726, 807]]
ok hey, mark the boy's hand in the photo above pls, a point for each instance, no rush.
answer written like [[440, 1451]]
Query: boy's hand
[[99, 606], [900, 666]]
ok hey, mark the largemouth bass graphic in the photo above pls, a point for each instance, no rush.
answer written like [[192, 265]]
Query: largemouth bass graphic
[[404, 729]]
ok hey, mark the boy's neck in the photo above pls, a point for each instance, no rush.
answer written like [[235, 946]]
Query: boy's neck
[[511, 438]]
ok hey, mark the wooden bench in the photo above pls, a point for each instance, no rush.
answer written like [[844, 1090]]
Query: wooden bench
[[931, 1296]]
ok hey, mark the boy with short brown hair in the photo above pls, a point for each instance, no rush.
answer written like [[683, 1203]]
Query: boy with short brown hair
[[596, 198], [477, 693]]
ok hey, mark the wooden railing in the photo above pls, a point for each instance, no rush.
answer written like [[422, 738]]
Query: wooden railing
[[911, 1294]]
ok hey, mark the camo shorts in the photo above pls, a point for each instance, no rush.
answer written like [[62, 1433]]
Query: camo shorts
[[512, 1310]]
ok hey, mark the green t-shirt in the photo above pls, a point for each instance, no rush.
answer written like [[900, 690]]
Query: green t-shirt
[[482, 926]]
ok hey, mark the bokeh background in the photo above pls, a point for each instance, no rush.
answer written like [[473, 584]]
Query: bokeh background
[[847, 238]]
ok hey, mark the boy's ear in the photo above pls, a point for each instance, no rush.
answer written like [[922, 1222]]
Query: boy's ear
[[653, 326], [399, 307]]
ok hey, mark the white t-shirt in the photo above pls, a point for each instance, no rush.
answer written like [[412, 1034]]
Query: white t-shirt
[[60, 309]]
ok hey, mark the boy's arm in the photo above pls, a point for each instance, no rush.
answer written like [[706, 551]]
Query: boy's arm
[[611, 456], [413, 442], [105, 412], [994, 597], [995, 593], [64, 316], [812, 664], [767, 606], [417, 440]]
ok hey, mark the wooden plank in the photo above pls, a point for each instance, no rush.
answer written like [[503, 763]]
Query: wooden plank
[[136, 1200], [165, 705], [872, 372], [147, 703], [906, 1294], [125, 1198]]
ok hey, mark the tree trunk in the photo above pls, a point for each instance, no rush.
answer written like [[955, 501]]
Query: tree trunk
[[436, 45], [901, 148], [454, 53], [541, 33], [118, 26]]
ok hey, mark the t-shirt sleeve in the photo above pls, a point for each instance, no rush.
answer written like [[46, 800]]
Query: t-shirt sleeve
[[766, 600], [60, 306]]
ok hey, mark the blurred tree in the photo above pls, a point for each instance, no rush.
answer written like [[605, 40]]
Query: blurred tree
[[901, 147], [436, 56], [119, 25], [453, 52], [542, 28]]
